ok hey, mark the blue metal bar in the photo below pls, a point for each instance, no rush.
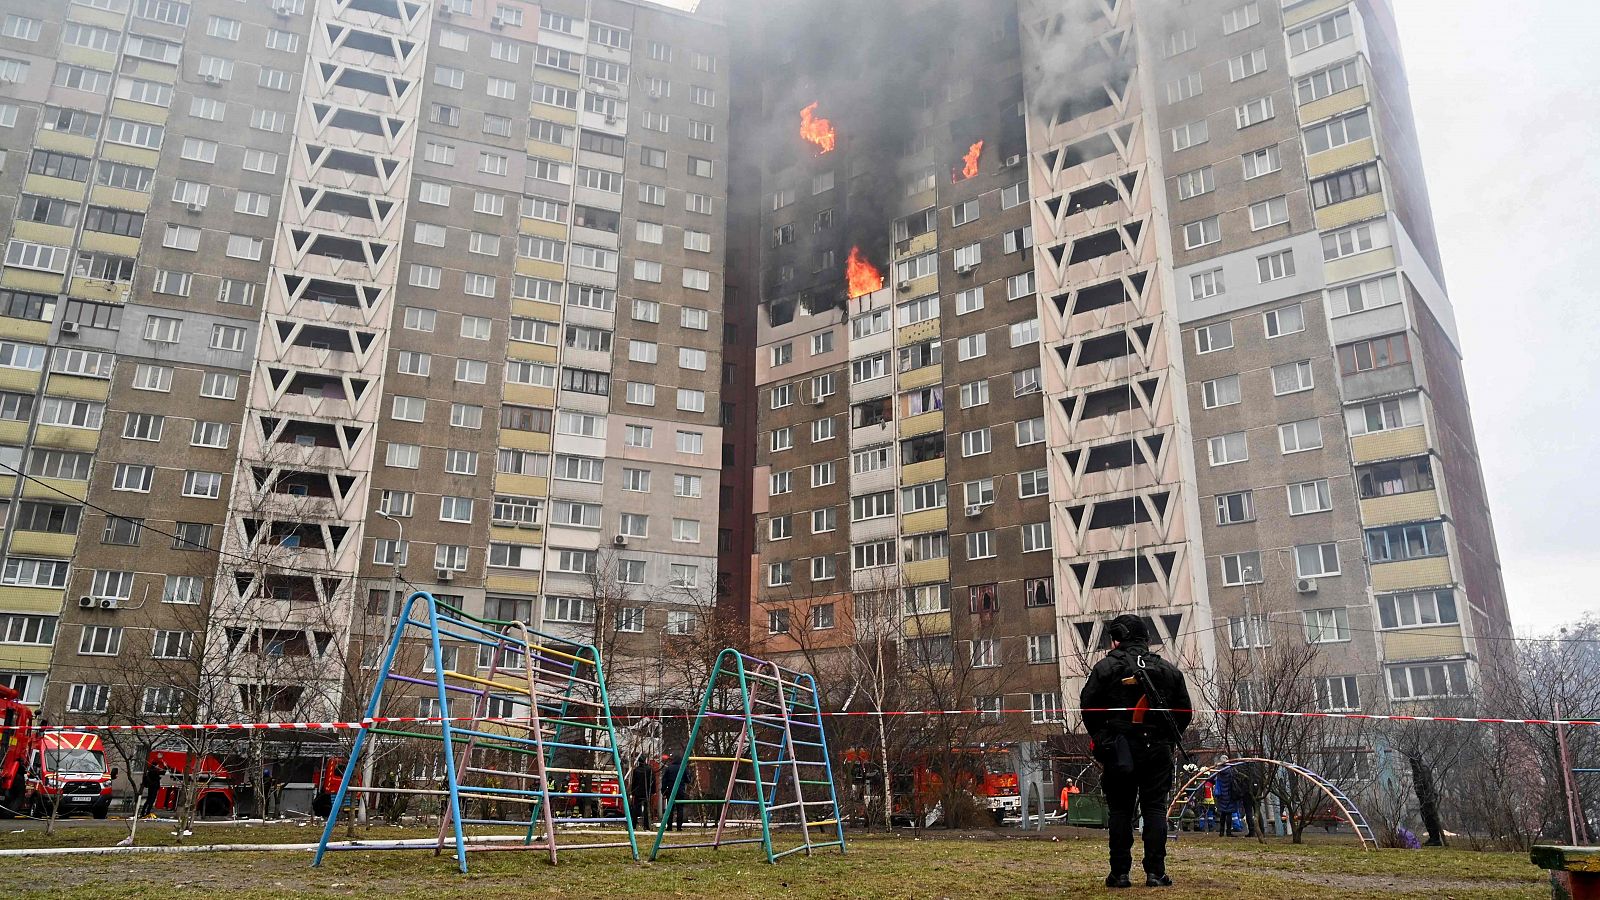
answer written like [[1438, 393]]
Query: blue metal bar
[[373, 705]]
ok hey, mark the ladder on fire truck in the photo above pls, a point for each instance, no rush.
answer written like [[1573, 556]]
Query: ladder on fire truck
[[528, 728], [761, 724]]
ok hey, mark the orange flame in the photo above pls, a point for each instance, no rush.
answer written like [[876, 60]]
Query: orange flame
[[817, 131], [969, 162], [864, 278]]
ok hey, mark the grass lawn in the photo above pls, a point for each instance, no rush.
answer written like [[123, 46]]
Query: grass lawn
[[939, 865]]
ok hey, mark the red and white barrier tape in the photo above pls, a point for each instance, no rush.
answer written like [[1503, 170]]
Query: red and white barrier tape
[[436, 720]]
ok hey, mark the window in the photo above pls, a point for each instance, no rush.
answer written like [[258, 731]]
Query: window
[[1329, 81], [691, 442], [1025, 332], [1186, 136], [1316, 560], [1030, 431], [211, 434], [100, 640], [242, 247], [980, 544], [1241, 568], [1247, 64], [1192, 184], [1309, 497], [1377, 353], [1222, 391], [976, 443], [1346, 185], [1338, 132], [1322, 31], [1347, 242], [1285, 320], [1035, 536], [1327, 626], [1402, 542], [185, 589], [201, 484], [1206, 284], [1199, 234], [1298, 436], [260, 161], [975, 393], [822, 430], [1044, 707], [1420, 608], [1268, 213], [1252, 632], [1019, 286], [1180, 89], [686, 531], [1235, 508], [227, 337], [402, 456], [1227, 449], [972, 346]]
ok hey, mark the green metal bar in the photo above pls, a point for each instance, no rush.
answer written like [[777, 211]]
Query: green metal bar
[[616, 754], [822, 735], [694, 732], [755, 759]]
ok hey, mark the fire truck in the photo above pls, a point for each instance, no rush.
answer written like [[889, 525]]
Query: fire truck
[[985, 772], [59, 772], [213, 783]]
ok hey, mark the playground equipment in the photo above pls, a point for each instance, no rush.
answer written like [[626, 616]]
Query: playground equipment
[[762, 723], [531, 729], [1346, 807]]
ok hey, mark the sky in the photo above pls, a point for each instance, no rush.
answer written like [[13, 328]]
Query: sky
[[1507, 104]]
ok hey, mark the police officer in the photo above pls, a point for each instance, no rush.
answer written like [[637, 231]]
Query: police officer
[[1135, 747]]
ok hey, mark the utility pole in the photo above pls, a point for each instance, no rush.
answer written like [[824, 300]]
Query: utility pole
[[390, 609]]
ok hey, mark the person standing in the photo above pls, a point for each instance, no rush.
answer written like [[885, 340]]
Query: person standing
[[669, 777], [641, 785], [151, 785], [1136, 708], [1067, 791]]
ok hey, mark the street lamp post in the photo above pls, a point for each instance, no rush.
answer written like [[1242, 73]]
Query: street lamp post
[[390, 609]]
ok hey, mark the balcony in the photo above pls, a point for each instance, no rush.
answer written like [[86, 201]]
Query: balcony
[[927, 571], [1411, 573], [41, 543], [1353, 153], [1341, 214], [1411, 507], [1423, 643], [1412, 441], [924, 520], [922, 423], [917, 473], [926, 624]]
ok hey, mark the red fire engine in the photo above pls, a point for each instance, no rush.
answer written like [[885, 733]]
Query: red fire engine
[[63, 772]]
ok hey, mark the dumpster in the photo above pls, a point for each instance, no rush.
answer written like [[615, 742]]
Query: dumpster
[[1088, 810]]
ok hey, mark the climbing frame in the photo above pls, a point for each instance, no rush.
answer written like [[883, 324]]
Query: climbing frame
[[527, 727], [759, 733]]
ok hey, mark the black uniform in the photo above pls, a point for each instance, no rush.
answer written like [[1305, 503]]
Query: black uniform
[[151, 782], [1135, 749], [669, 778]]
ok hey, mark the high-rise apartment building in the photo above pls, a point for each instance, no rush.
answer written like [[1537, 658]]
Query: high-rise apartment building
[[310, 302], [1172, 340], [1029, 314]]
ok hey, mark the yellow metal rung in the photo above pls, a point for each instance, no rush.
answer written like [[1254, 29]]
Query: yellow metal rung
[[498, 685], [554, 652], [718, 759], [823, 822]]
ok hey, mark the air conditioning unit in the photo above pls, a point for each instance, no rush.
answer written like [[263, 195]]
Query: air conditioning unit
[[497, 22], [620, 540], [966, 269], [818, 401], [1013, 160], [445, 11], [282, 9], [1306, 586], [86, 603], [108, 603], [904, 285], [69, 328], [211, 79], [443, 575], [975, 509], [655, 94], [611, 119], [194, 207]]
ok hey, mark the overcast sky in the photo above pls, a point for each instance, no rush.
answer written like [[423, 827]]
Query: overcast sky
[[1507, 101]]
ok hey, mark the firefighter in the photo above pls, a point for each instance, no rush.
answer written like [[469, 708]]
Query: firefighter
[[1135, 746], [151, 783]]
